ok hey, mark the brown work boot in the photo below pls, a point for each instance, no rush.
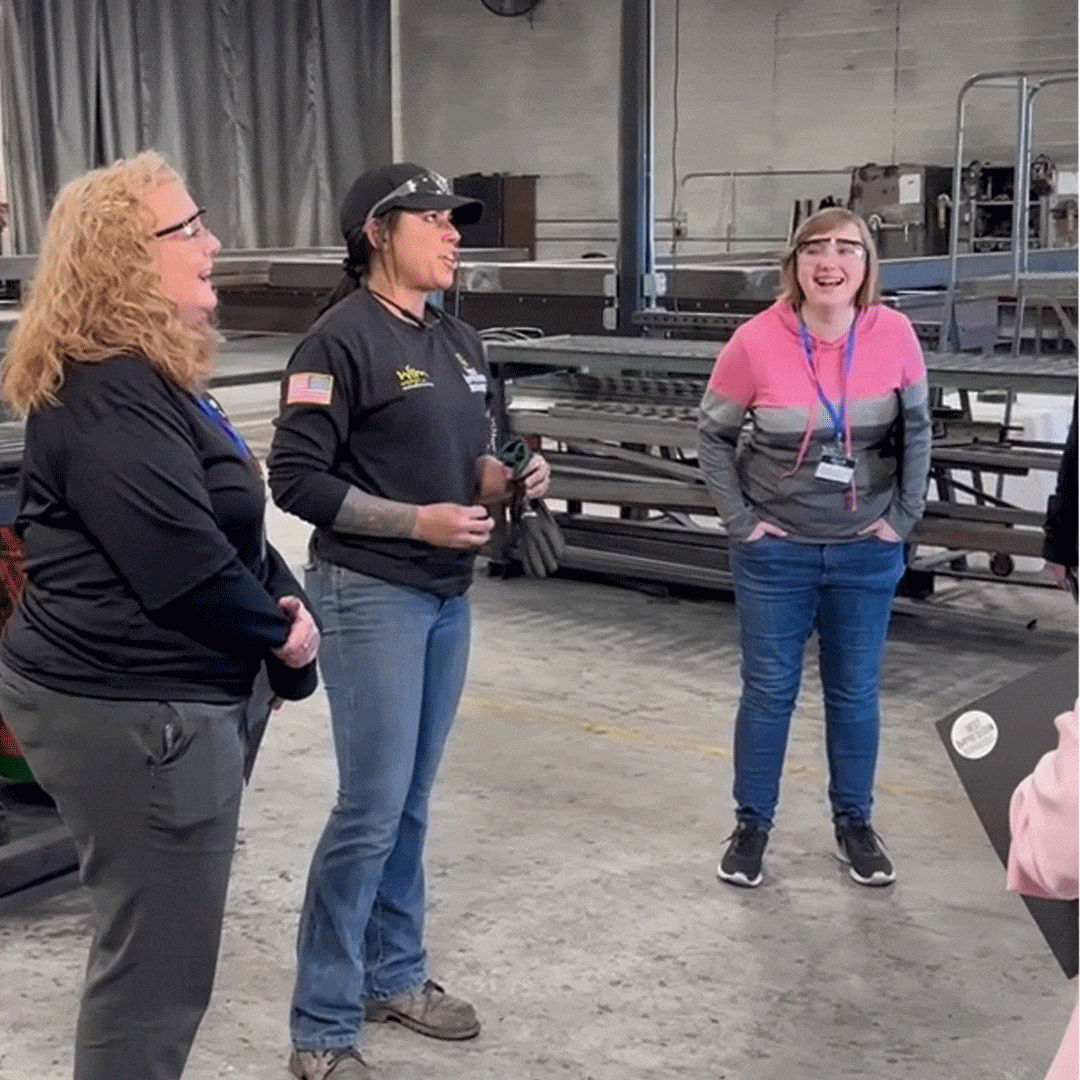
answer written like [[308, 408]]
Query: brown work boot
[[329, 1065], [430, 1010]]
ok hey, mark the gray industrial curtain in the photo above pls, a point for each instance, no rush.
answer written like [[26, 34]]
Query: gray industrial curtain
[[267, 108]]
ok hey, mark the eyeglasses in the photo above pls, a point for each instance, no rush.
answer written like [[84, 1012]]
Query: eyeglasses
[[190, 227], [845, 249], [427, 183]]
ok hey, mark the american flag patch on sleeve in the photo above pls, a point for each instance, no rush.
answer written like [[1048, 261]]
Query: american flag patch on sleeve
[[309, 388]]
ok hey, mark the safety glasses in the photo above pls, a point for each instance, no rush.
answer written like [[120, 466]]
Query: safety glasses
[[427, 183], [845, 249], [189, 227]]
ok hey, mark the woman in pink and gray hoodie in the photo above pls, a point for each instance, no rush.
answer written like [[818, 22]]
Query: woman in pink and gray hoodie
[[817, 495]]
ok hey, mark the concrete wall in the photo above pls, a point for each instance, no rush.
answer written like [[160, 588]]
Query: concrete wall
[[762, 84]]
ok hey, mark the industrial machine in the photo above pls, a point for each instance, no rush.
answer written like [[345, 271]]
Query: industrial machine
[[901, 205]]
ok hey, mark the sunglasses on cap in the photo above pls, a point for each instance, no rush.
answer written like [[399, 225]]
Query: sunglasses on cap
[[426, 183]]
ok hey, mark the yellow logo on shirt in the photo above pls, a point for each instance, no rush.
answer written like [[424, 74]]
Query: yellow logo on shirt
[[476, 381], [410, 378]]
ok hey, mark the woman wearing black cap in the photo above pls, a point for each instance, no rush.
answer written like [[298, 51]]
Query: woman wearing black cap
[[383, 444]]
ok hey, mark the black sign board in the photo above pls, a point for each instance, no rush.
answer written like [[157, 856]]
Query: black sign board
[[993, 744]]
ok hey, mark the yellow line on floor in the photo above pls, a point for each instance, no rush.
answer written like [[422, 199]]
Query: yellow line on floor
[[533, 715], [545, 718]]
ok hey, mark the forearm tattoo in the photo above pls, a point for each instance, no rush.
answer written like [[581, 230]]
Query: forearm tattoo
[[369, 515]]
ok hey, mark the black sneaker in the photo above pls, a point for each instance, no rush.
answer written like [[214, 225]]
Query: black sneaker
[[864, 851], [741, 864]]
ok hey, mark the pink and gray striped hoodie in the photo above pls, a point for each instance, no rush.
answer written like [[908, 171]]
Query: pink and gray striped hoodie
[[767, 472]]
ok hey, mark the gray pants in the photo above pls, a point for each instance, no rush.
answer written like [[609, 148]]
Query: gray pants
[[151, 793]]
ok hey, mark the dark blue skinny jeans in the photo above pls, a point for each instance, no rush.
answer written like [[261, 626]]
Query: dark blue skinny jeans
[[784, 589]]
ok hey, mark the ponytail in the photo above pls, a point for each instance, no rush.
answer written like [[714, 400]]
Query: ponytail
[[349, 283], [358, 260]]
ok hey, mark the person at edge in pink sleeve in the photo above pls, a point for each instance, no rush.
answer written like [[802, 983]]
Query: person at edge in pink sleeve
[[817, 496], [1044, 821]]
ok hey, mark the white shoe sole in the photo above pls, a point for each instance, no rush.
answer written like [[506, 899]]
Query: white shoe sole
[[739, 878], [875, 879]]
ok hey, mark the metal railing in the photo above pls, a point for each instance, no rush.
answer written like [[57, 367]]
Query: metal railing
[[733, 176], [1026, 84]]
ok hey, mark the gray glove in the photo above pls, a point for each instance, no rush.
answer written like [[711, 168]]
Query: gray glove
[[535, 536], [539, 539]]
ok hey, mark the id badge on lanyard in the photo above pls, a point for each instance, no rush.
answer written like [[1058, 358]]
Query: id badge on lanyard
[[835, 464]]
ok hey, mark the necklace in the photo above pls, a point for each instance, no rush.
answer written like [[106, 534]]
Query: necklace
[[405, 313]]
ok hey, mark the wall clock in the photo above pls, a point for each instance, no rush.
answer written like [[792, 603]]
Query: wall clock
[[510, 7]]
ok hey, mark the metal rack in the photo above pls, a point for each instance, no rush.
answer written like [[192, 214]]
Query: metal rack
[[619, 416]]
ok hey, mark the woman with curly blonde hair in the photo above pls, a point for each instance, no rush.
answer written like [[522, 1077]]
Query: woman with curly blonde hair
[[151, 600], [97, 291]]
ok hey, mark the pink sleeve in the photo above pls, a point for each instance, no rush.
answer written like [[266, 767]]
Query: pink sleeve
[[1044, 820], [731, 376], [912, 365]]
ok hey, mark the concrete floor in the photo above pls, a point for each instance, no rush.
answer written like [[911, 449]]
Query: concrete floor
[[577, 822]]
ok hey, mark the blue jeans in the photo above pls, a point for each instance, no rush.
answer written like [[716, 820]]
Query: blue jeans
[[393, 662], [784, 590]]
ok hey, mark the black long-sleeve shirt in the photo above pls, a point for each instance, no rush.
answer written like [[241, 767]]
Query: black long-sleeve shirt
[[396, 410], [141, 519]]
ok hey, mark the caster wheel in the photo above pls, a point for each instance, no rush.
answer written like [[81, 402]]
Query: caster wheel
[[1001, 565]]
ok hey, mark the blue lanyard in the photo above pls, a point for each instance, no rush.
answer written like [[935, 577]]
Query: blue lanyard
[[216, 413], [835, 417]]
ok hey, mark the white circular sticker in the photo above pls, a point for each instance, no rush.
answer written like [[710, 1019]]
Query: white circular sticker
[[974, 734]]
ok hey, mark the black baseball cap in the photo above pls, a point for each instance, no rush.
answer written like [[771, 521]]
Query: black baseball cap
[[403, 186]]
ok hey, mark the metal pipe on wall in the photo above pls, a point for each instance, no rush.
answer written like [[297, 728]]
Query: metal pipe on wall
[[635, 258], [397, 150]]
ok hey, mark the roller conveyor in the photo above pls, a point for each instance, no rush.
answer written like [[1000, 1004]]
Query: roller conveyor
[[598, 354], [635, 399]]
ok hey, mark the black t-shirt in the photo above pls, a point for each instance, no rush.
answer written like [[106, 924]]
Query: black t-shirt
[[395, 409], [141, 519]]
